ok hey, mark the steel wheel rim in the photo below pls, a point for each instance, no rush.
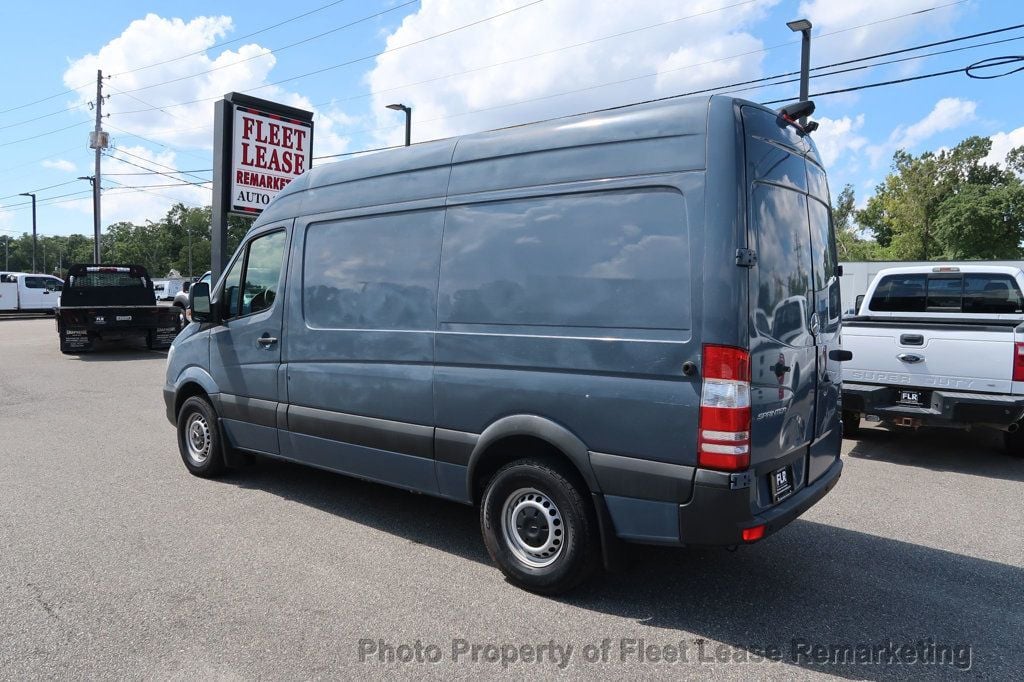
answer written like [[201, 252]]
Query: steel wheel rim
[[533, 528], [197, 439]]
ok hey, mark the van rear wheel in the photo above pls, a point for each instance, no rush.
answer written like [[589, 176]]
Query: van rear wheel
[[199, 439], [539, 527]]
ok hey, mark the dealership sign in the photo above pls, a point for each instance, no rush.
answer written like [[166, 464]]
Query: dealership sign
[[264, 146]]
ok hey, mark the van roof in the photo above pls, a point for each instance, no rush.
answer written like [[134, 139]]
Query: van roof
[[675, 130]]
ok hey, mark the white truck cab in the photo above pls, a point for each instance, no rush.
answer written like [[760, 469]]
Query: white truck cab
[[22, 291]]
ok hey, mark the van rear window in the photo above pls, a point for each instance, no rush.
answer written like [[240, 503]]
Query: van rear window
[[991, 294]]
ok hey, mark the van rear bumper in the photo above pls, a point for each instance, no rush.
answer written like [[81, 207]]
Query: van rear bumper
[[940, 408], [718, 515], [715, 514]]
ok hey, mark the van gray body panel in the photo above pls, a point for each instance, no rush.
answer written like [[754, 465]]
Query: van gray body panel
[[541, 284]]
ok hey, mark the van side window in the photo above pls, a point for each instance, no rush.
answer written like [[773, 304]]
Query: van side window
[[617, 259], [35, 282], [377, 272], [262, 273]]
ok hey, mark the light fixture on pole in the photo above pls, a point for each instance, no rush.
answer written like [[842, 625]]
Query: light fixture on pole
[[803, 26], [30, 194], [408, 120]]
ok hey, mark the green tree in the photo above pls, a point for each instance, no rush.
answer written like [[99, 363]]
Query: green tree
[[850, 246], [949, 204]]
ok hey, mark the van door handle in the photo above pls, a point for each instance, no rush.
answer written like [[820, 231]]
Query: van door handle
[[267, 340]]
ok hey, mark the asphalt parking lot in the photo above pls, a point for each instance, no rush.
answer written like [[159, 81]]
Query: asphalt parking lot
[[114, 562]]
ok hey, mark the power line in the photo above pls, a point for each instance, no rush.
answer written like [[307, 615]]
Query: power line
[[163, 144], [194, 170], [908, 79], [130, 163], [357, 60], [229, 42], [49, 132], [360, 151], [46, 99], [184, 56], [548, 52], [274, 50], [41, 189], [731, 86]]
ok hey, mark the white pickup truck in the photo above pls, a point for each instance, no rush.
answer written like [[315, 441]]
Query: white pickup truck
[[939, 346]]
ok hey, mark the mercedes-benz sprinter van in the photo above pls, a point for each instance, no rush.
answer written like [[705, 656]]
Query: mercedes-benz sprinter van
[[620, 327]]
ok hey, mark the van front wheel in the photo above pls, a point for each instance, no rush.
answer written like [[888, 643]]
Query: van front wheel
[[539, 527], [199, 440]]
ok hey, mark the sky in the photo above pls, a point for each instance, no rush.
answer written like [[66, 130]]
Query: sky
[[463, 66]]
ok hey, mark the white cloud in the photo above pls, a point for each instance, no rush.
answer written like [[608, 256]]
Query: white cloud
[[947, 114], [440, 106], [147, 111], [59, 164], [877, 34], [1002, 143], [838, 138]]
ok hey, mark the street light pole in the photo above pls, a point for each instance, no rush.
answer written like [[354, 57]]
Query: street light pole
[[408, 120], [803, 26], [30, 194]]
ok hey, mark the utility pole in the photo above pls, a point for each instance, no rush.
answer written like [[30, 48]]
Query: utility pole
[[7, 253], [98, 140], [30, 194]]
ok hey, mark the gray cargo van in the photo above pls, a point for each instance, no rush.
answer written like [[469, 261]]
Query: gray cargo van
[[620, 327]]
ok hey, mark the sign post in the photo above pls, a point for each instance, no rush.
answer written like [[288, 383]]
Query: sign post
[[259, 146]]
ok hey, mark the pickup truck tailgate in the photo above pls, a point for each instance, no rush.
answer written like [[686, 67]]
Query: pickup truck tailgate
[[952, 357]]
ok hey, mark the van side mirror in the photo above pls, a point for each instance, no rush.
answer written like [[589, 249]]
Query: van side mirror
[[857, 302], [186, 285], [839, 270], [199, 303]]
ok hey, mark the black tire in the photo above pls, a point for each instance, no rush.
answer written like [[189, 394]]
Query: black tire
[[197, 423], [568, 530], [1013, 443], [851, 423]]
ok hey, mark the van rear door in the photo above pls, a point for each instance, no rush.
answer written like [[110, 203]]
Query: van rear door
[[783, 353], [828, 430]]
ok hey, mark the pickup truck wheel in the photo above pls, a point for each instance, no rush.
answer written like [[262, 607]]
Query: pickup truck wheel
[[1014, 443], [199, 439], [851, 423], [539, 527]]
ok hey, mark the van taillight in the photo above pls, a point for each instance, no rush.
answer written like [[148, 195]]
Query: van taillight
[[724, 440], [1018, 361]]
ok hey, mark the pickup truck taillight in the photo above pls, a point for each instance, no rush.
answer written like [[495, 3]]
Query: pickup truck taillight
[[1018, 361], [724, 435]]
